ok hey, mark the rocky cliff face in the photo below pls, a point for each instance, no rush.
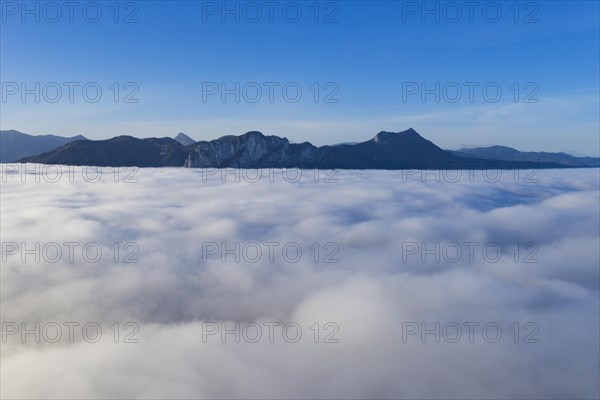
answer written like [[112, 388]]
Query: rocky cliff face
[[253, 150]]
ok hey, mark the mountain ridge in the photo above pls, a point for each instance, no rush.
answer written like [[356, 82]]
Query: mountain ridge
[[385, 150], [15, 145], [498, 152]]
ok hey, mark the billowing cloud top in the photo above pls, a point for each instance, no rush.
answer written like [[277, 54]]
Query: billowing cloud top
[[374, 258]]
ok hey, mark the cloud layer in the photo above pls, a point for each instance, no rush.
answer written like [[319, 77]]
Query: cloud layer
[[374, 276]]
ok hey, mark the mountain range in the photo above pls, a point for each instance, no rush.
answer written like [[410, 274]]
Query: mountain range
[[386, 150], [508, 153], [15, 145]]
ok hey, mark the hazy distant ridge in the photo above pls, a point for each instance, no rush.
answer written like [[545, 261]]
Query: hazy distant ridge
[[508, 153], [15, 145]]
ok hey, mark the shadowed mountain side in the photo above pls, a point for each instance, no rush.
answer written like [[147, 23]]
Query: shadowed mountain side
[[120, 151], [15, 145]]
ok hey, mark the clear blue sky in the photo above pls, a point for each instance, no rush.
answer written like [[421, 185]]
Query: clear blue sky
[[371, 57]]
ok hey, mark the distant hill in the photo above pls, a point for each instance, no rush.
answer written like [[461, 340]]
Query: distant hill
[[120, 151], [184, 139], [386, 150], [15, 145], [508, 153]]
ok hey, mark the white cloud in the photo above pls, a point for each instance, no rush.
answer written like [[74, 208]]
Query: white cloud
[[172, 292]]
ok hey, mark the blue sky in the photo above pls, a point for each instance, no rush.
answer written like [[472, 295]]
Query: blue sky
[[364, 58]]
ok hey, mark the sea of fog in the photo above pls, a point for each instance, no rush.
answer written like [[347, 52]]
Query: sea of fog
[[189, 283]]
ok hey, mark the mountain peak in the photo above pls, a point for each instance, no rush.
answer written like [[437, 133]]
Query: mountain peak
[[384, 136], [78, 137], [184, 139], [11, 132], [253, 133]]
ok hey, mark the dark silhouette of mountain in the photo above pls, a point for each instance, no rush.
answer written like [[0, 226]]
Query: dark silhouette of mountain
[[120, 151], [184, 139], [387, 150], [15, 145], [508, 153]]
